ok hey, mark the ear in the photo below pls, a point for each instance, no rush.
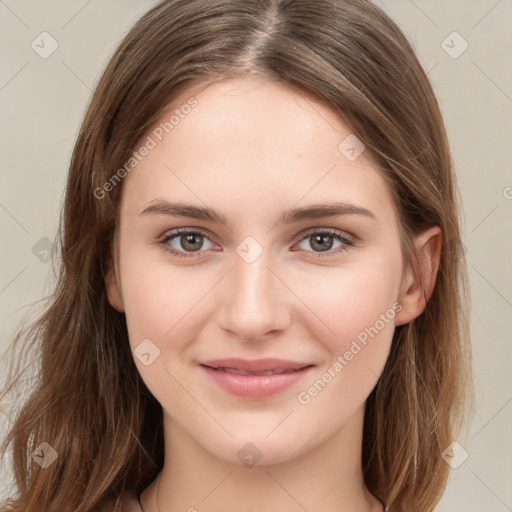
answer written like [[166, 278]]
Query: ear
[[417, 289], [114, 289]]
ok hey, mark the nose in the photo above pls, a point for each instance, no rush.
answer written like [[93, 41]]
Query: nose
[[257, 303]]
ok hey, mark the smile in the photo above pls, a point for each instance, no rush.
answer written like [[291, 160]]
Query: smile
[[255, 384]]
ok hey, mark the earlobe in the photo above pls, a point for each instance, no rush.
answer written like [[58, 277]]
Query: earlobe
[[417, 289], [113, 291]]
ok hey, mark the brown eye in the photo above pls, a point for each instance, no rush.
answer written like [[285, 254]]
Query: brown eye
[[180, 242], [322, 242], [191, 242]]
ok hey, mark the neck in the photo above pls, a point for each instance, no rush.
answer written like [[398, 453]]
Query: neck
[[328, 478]]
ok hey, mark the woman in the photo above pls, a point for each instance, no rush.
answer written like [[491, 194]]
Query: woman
[[262, 298]]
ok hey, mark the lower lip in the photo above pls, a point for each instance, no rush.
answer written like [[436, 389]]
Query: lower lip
[[255, 386]]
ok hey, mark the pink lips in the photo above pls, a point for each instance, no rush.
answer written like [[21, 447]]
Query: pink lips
[[255, 378]]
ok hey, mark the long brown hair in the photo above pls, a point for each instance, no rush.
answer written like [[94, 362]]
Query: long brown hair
[[89, 402]]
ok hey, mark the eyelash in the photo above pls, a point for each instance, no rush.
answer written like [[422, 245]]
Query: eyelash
[[330, 232]]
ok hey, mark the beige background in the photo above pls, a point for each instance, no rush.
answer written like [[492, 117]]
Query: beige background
[[42, 102]]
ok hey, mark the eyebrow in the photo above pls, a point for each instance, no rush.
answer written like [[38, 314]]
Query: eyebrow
[[315, 211]]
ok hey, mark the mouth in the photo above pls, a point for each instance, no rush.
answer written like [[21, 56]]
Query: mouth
[[255, 379]]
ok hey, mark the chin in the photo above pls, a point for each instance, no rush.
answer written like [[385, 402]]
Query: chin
[[253, 448]]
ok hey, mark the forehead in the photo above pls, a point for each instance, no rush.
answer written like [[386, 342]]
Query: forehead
[[257, 112], [255, 138]]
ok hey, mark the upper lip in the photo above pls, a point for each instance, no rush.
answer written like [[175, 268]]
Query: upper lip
[[256, 365]]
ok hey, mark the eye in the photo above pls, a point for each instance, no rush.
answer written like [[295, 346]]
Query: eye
[[322, 242], [182, 241], [188, 243]]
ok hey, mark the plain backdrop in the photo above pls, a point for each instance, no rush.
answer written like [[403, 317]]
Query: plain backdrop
[[465, 47]]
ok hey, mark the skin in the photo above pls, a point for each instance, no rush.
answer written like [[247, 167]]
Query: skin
[[251, 149]]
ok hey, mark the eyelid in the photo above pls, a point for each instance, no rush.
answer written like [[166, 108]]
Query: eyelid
[[332, 231]]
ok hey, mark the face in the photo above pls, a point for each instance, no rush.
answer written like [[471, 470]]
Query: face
[[254, 266]]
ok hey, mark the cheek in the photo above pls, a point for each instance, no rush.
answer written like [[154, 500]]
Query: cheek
[[162, 320], [157, 295], [357, 308], [165, 304], [351, 298]]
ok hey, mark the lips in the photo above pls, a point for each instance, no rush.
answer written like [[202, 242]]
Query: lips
[[255, 379]]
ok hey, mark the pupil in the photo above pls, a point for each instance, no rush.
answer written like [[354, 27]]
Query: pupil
[[322, 246], [190, 239]]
